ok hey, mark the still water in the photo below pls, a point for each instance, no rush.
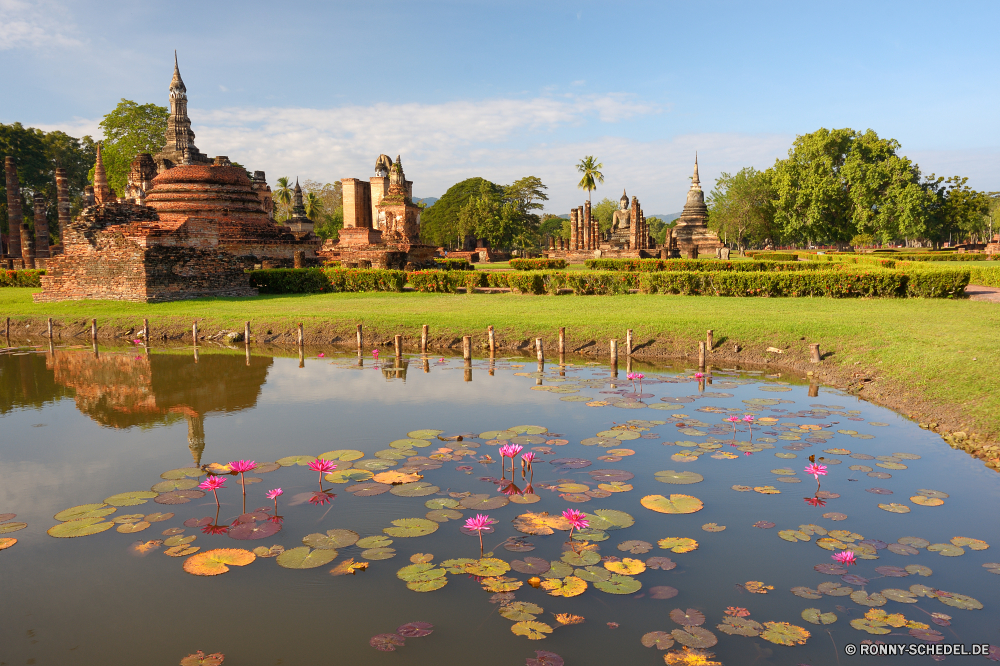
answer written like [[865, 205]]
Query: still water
[[78, 428]]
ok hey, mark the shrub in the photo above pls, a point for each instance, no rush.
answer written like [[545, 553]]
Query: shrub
[[365, 279], [774, 256], [988, 277], [653, 265], [537, 264], [289, 280], [433, 281], [836, 284], [22, 278], [525, 283], [937, 283], [954, 256], [454, 264]]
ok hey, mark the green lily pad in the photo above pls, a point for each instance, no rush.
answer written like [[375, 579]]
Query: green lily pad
[[815, 616], [174, 484], [346, 455], [441, 503], [443, 515], [581, 559], [415, 489], [373, 542], [424, 434], [427, 585], [80, 527], [679, 478], [488, 566], [375, 465], [457, 565], [520, 610], [301, 461], [133, 498], [616, 519], [305, 558], [183, 473], [332, 540], [902, 596], [946, 549], [421, 571], [618, 584], [592, 574], [558, 569], [409, 443], [411, 527], [7, 528], [378, 553], [528, 429], [673, 504], [349, 476], [958, 600], [85, 511]]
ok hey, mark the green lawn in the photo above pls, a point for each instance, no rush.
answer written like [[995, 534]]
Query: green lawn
[[941, 355]]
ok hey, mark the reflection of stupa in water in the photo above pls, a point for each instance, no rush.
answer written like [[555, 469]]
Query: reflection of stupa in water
[[122, 390]]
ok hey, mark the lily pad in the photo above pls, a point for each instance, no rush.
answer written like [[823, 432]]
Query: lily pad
[[332, 540], [783, 633], [305, 558], [894, 508], [618, 584], [677, 504], [946, 549], [84, 511], [301, 461], [692, 617], [570, 586], [218, 561], [678, 478], [519, 611], [75, 528], [416, 489], [133, 498], [695, 637], [349, 476], [179, 496], [534, 566], [484, 502], [411, 527], [658, 639], [347, 455], [678, 544], [531, 629], [174, 484]]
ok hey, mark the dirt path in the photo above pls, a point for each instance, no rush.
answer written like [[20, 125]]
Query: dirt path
[[977, 292]]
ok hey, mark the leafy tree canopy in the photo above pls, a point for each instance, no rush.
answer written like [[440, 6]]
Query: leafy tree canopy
[[439, 223], [128, 130], [741, 207]]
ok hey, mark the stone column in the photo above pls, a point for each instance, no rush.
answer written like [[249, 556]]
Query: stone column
[[572, 229], [581, 243], [589, 235], [633, 232], [41, 227], [27, 246], [62, 196], [14, 214]]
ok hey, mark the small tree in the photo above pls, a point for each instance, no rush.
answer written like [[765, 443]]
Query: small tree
[[591, 170], [282, 196], [128, 130]]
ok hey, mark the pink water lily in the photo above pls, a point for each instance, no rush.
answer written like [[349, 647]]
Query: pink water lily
[[274, 495], [322, 466], [213, 483], [479, 523], [242, 467], [321, 355], [375, 354], [845, 557], [577, 520], [748, 418], [699, 375], [816, 470]]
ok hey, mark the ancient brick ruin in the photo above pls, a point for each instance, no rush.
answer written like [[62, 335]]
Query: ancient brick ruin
[[381, 222], [187, 227], [694, 238]]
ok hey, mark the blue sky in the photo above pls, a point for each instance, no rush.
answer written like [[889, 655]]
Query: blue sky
[[507, 89]]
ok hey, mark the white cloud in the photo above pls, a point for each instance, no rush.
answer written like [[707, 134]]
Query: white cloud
[[35, 25]]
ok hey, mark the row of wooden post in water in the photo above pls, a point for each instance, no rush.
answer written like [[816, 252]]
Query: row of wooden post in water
[[704, 347]]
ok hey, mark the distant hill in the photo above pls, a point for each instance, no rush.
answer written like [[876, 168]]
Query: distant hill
[[426, 200]]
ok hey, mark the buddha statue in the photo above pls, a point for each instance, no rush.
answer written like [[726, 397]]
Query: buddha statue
[[622, 217]]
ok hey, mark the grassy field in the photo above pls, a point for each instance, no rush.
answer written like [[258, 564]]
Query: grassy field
[[931, 359]]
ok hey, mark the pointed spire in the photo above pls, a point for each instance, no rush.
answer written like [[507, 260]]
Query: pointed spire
[[695, 180], [297, 199], [176, 83]]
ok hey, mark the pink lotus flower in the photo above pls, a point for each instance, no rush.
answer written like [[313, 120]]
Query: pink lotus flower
[[699, 375], [213, 483], [322, 466], [815, 501], [375, 354], [321, 497], [515, 449], [528, 457], [816, 470], [479, 523], [274, 495], [845, 557], [243, 466], [506, 451], [577, 520], [321, 355], [733, 419], [748, 418], [748, 453]]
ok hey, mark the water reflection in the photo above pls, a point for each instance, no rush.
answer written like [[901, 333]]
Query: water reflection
[[126, 389], [27, 381]]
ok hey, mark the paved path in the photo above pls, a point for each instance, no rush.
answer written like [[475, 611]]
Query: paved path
[[977, 292]]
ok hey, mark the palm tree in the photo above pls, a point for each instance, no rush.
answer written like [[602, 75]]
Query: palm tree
[[282, 195], [313, 205], [590, 168]]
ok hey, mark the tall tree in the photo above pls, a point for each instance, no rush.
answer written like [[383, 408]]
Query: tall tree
[[128, 130], [489, 217], [837, 183], [527, 194], [313, 205], [439, 224], [552, 225], [604, 212], [741, 207], [282, 197], [591, 170], [956, 212]]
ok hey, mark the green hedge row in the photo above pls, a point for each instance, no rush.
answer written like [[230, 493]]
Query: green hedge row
[[454, 264], [773, 256], [658, 265], [537, 264], [23, 278], [319, 280], [954, 256], [986, 276]]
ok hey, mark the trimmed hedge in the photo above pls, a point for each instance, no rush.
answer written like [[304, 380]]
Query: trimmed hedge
[[537, 264], [656, 265], [986, 276], [454, 264], [773, 256], [943, 257], [23, 278], [319, 280]]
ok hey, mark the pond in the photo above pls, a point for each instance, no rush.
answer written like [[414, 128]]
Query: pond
[[705, 535]]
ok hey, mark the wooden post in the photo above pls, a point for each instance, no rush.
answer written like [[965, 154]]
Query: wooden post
[[302, 356], [813, 387], [614, 357], [248, 355], [701, 355], [539, 353], [628, 364], [468, 368], [492, 341], [562, 341], [93, 329], [467, 348], [427, 365], [194, 333], [628, 342], [145, 330], [399, 346], [50, 328], [360, 339], [302, 337], [708, 340], [814, 356], [493, 366], [423, 339], [246, 332], [7, 329]]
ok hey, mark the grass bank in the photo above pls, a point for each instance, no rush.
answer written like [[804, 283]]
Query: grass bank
[[933, 360]]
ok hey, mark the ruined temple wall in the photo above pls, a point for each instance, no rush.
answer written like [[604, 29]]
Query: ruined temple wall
[[357, 198]]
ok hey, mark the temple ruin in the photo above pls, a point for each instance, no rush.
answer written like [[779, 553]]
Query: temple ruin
[[381, 222], [694, 238], [187, 226]]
